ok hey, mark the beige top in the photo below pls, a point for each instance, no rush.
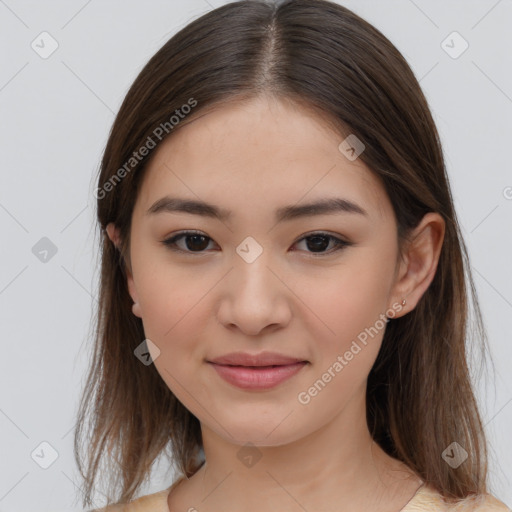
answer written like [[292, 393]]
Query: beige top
[[426, 499]]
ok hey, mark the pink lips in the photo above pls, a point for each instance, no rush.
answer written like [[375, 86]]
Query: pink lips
[[256, 371]]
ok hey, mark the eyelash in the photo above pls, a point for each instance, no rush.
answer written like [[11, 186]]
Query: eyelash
[[339, 244]]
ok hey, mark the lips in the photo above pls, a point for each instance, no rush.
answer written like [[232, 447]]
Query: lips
[[256, 371], [261, 359]]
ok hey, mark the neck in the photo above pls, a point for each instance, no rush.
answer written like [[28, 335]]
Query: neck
[[338, 467]]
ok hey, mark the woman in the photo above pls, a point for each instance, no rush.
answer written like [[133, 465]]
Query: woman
[[283, 302]]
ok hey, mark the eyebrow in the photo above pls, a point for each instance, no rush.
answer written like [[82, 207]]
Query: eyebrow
[[326, 206]]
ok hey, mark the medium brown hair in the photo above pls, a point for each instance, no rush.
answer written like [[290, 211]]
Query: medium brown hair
[[318, 55]]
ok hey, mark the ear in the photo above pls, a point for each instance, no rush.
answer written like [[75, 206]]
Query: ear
[[114, 235], [419, 261]]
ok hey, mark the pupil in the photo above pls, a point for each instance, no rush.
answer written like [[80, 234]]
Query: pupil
[[324, 242], [200, 245]]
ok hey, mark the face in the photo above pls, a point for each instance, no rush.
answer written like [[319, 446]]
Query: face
[[314, 286]]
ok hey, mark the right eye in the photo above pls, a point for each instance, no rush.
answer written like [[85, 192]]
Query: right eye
[[196, 242]]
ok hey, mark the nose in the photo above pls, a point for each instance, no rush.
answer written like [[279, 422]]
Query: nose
[[254, 298]]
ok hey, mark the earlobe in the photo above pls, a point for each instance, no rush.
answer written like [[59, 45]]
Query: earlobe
[[133, 294], [136, 310], [420, 260], [114, 235]]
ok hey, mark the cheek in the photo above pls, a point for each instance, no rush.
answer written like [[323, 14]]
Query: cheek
[[169, 294], [174, 319], [175, 313], [354, 297], [351, 306]]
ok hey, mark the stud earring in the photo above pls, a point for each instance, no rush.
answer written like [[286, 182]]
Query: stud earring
[[403, 302]]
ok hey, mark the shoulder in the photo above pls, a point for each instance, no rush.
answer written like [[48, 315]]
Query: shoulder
[[156, 502], [428, 499], [491, 504]]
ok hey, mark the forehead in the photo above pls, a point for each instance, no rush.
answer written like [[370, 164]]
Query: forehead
[[258, 153]]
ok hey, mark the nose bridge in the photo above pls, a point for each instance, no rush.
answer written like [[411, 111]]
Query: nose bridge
[[254, 297], [252, 267]]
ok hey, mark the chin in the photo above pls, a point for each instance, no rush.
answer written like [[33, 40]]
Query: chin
[[274, 431]]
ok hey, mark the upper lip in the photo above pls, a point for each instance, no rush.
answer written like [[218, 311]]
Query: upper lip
[[261, 359]]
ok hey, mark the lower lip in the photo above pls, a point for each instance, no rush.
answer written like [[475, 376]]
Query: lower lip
[[264, 377]]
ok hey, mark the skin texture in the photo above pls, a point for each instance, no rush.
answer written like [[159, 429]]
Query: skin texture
[[251, 158]]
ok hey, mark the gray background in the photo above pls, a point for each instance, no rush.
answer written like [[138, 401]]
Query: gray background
[[55, 116]]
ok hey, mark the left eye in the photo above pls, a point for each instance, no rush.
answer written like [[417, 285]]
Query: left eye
[[320, 241], [197, 242]]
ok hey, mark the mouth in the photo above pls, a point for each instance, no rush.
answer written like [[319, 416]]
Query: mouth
[[263, 359], [257, 377]]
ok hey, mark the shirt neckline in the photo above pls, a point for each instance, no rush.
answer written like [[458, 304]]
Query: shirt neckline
[[419, 492]]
